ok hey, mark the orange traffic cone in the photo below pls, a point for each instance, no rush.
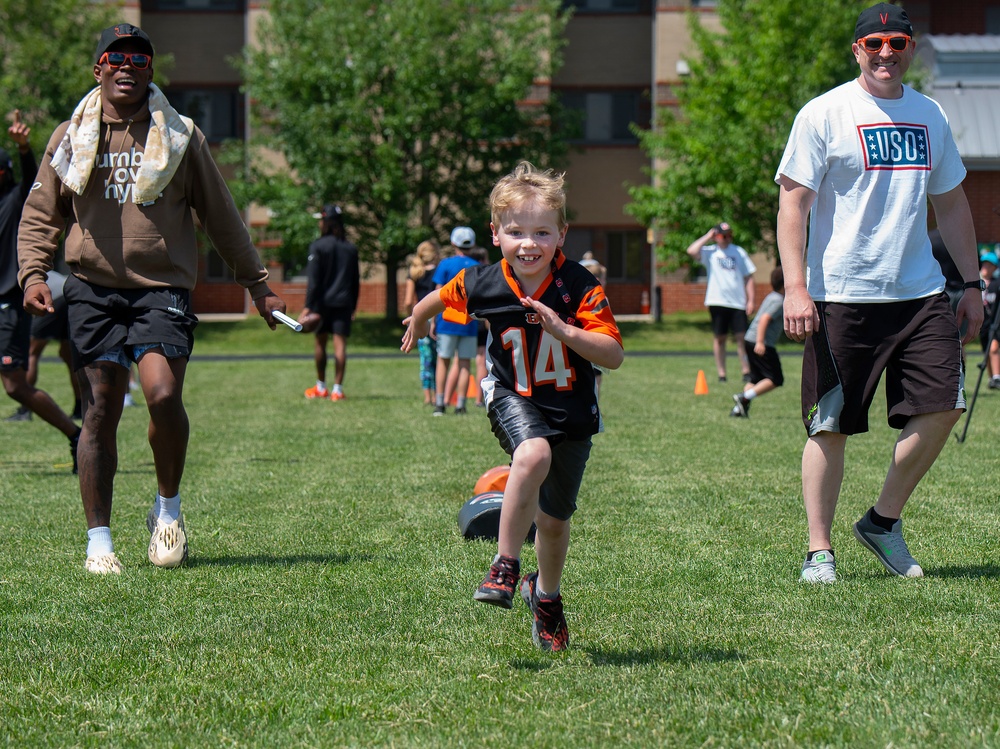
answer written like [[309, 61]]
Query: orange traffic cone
[[701, 384]]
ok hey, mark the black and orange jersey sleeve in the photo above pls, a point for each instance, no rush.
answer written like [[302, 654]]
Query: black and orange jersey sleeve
[[594, 314], [455, 300]]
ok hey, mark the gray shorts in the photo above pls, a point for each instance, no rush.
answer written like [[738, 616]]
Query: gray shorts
[[514, 420], [465, 345]]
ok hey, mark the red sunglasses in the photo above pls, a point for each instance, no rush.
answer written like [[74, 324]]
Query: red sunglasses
[[138, 60]]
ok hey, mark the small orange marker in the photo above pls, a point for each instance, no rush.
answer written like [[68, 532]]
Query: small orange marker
[[701, 384]]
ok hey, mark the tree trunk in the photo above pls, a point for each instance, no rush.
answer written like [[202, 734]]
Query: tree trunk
[[391, 288]]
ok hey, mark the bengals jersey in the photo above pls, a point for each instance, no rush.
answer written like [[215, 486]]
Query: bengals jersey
[[523, 359]]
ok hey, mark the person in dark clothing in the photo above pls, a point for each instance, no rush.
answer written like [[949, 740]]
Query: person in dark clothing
[[334, 281], [953, 281], [15, 322]]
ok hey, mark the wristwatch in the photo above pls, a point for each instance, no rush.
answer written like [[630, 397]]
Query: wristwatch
[[977, 284]]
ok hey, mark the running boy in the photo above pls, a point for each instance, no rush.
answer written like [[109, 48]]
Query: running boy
[[549, 322], [760, 342]]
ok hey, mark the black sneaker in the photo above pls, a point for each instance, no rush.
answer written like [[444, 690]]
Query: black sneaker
[[438, 411], [21, 414], [742, 408], [460, 411], [747, 378], [74, 442], [994, 385], [548, 630], [500, 582]]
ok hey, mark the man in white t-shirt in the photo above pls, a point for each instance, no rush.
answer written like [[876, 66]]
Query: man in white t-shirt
[[866, 294], [729, 294]]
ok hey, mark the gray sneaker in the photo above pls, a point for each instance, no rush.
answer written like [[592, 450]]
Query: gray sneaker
[[888, 546], [822, 568]]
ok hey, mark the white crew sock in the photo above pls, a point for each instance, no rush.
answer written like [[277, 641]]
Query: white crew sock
[[99, 541], [169, 508], [750, 394], [460, 403], [321, 384], [338, 389]]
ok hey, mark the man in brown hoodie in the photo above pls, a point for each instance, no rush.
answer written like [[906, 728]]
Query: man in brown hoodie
[[121, 179]]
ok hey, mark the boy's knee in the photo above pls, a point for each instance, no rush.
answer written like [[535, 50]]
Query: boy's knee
[[534, 455], [550, 526]]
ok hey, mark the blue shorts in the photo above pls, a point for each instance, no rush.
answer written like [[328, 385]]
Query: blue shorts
[[515, 419], [124, 357]]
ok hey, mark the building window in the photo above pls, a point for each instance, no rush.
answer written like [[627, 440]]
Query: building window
[[217, 111], [609, 6], [993, 20], [189, 5], [604, 116], [626, 255]]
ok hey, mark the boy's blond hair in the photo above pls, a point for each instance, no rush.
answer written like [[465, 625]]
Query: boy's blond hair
[[526, 184]]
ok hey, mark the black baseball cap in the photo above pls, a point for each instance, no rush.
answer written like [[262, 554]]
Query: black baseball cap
[[118, 33], [882, 17], [723, 228], [332, 213]]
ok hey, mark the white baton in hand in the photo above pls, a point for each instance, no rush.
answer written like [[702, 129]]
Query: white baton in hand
[[282, 317]]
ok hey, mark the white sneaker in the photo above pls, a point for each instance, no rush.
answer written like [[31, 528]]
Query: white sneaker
[[167, 543], [105, 564], [822, 568]]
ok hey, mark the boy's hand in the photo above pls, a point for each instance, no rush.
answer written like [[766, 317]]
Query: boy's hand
[[759, 348], [415, 330], [551, 322]]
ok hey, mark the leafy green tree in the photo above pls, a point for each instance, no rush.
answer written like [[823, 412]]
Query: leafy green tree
[[719, 151], [46, 60], [404, 113]]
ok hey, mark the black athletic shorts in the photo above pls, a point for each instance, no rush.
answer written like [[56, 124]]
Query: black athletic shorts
[[336, 320], [15, 332], [728, 320], [914, 342], [766, 367], [515, 419], [53, 327], [101, 319]]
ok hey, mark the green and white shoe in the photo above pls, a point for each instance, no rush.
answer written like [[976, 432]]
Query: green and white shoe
[[822, 568]]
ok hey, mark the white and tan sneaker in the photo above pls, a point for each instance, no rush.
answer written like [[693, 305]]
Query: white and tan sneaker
[[168, 545], [103, 564]]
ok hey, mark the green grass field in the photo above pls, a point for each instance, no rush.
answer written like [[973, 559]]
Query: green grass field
[[327, 600]]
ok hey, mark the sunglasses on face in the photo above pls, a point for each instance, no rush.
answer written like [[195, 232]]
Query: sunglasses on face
[[874, 43], [137, 60]]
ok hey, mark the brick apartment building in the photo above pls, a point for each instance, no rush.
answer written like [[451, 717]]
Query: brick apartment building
[[623, 58]]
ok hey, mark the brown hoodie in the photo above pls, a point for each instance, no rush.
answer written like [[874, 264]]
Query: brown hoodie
[[113, 242]]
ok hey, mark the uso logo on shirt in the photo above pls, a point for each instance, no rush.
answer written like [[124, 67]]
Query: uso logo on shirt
[[895, 146]]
